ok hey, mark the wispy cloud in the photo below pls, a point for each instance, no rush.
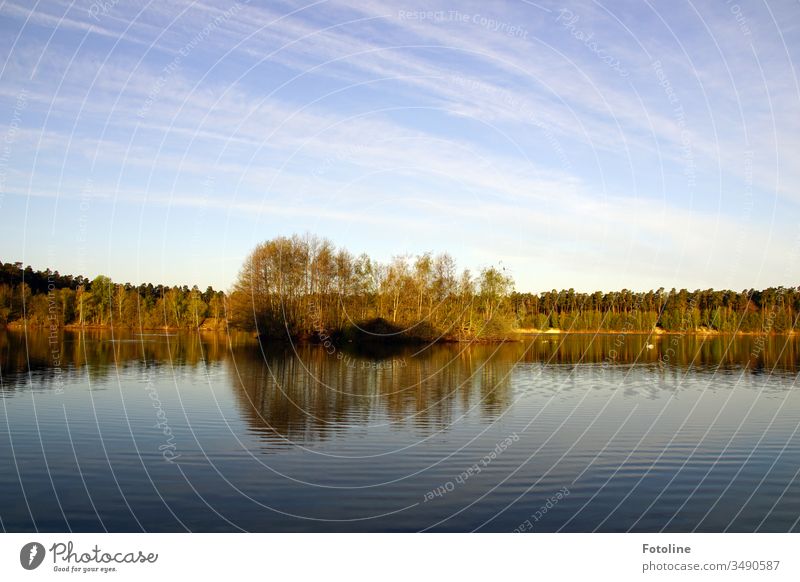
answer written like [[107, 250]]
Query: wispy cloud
[[502, 121]]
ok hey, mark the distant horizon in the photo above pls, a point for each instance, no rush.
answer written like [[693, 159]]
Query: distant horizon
[[227, 289]]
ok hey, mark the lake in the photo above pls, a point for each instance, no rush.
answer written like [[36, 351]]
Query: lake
[[111, 431]]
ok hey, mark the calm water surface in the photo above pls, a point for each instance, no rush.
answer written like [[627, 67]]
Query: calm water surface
[[172, 432]]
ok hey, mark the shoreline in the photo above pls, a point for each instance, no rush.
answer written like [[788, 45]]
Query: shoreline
[[655, 332], [513, 335], [18, 326]]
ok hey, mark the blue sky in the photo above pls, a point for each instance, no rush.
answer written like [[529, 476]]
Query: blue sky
[[594, 146]]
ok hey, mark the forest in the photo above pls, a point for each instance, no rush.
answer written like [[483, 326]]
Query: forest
[[47, 298], [305, 287]]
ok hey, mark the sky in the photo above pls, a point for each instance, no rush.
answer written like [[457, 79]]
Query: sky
[[586, 145]]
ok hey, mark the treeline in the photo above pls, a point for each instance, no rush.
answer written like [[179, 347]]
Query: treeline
[[305, 287], [771, 310], [45, 298]]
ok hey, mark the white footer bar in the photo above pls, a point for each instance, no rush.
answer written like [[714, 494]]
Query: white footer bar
[[370, 557]]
